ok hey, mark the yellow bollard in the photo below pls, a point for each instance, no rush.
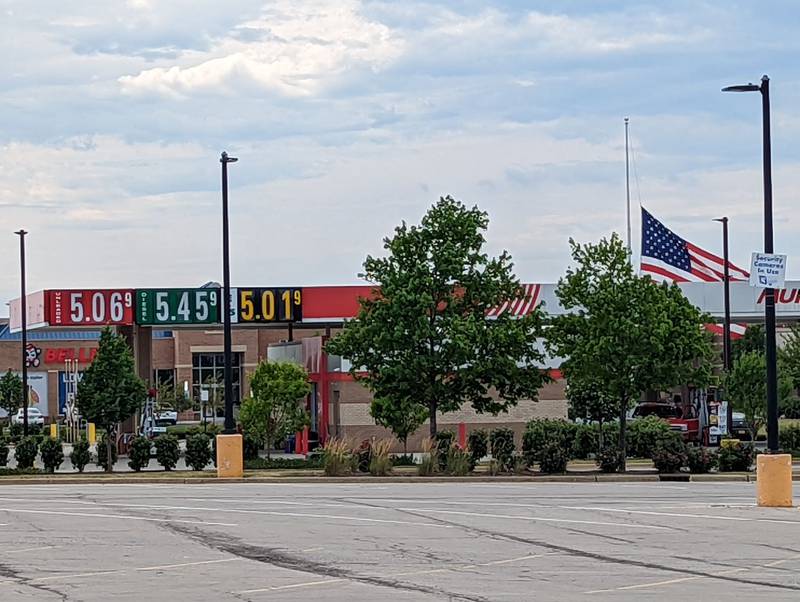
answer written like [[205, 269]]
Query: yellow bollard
[[230, 457], [91, 435], [53, 430], [774, 480]]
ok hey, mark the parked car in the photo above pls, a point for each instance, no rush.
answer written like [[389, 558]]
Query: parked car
[[739, 428], [689, 428], [34, 417], [166, 417]]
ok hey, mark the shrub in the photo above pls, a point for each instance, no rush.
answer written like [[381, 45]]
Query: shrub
[[404, 460], [102, 460], [139, 453], [15, 431], [337, 457], [609, 459], [380, 462], [553, 458], [541, 432], [735, 457], [52, 454], [501, 441], [790, 438], [459, 461], [430, 462], [80, 455], [444, 440], [251, 447], [198, 451], [362, 455], [312, 461], [4, 451], [478, 443], [26, 452], [585, 441], [167, 451], [701, 460], [670, 454], [644, 434]]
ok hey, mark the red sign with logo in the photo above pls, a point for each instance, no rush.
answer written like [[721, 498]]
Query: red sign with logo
[[58, 355], [90, 307]]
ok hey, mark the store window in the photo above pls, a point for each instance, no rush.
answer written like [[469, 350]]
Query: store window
[[163, 377], [208, 371]]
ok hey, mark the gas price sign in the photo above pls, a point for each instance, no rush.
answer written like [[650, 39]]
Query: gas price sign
[[177, 306], [266, 305], [90, 307]]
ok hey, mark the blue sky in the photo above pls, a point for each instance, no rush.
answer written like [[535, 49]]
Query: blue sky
[[349, 116]]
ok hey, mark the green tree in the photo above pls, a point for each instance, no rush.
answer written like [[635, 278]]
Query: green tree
[[10, 392], [274, 410], [402, 417], [746, 386], [170, 397], [424, 338], [592, 402], [753, 339], [624, 331], [110, 390]]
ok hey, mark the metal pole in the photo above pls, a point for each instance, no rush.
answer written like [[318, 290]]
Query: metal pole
[[230, 425], [628, 190], [727, 294], [24, 314], [769, 300]]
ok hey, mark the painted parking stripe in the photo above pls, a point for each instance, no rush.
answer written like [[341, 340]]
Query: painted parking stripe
[[118, 516]]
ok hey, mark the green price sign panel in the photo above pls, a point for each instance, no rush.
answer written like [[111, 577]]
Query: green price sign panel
[[177, 306]]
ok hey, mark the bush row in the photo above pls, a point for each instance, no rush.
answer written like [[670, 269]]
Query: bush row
[[167, 452]]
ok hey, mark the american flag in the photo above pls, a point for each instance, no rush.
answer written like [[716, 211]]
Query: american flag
[[666, 257]]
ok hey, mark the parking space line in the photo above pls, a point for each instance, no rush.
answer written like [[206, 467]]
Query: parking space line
[[540, 519], [119, 516], [685, 515], [276, 588], [27, 550]]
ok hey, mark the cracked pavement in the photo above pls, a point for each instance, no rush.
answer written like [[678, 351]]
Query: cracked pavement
[[407, 541]]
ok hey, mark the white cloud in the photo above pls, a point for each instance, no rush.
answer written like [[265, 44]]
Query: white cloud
[[303, 46]]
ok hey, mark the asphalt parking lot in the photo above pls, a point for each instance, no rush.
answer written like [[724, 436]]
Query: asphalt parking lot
[[404, 541]]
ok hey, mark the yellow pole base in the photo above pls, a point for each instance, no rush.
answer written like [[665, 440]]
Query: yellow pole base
[[53, 430], [230, 456], [91, 434], [774, 480]]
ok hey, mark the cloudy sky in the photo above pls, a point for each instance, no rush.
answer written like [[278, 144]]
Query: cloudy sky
[[349, 116]]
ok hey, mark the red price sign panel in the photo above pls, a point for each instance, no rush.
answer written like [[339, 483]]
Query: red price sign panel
[[90, 307]]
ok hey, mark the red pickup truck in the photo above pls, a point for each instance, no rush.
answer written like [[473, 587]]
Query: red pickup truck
[[689, 428]]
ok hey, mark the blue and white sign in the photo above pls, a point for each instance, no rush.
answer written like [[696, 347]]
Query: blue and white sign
[[767, 270], [62, 389]]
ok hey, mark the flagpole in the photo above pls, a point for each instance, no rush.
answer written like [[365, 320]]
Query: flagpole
[[628, 191]]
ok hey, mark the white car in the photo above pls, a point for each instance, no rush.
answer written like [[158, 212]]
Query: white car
[[34, 417], [166, 417]]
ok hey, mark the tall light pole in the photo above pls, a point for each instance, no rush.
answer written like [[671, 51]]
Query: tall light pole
[[24, 315], [726, 288], [230, 425], [769, 293]]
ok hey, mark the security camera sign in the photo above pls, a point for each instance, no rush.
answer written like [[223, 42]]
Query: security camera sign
[[767, 270]]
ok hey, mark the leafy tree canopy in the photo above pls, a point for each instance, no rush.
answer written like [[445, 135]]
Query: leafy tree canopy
[[110, 391], [10, 392], [624, 331], [753, 339], [402, 417], [424, 337], [274, 409]]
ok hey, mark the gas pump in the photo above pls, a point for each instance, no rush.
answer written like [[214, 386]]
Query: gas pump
[[148, 418]]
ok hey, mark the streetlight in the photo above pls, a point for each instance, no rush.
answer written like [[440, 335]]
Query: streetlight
[[230, 425], [769, 294], [24, 315], [726, 327]]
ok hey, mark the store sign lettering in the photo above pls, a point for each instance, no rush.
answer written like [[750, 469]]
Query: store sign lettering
[[58, 355], [782, 295]]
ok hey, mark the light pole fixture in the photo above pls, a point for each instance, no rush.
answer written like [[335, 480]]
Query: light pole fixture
[[230, 425], [769, 293], [23, 306]]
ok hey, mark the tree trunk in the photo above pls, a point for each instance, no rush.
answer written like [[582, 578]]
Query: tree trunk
[[109, 456], [405, 445], [269, 448], [432, 416], [623, 410]]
